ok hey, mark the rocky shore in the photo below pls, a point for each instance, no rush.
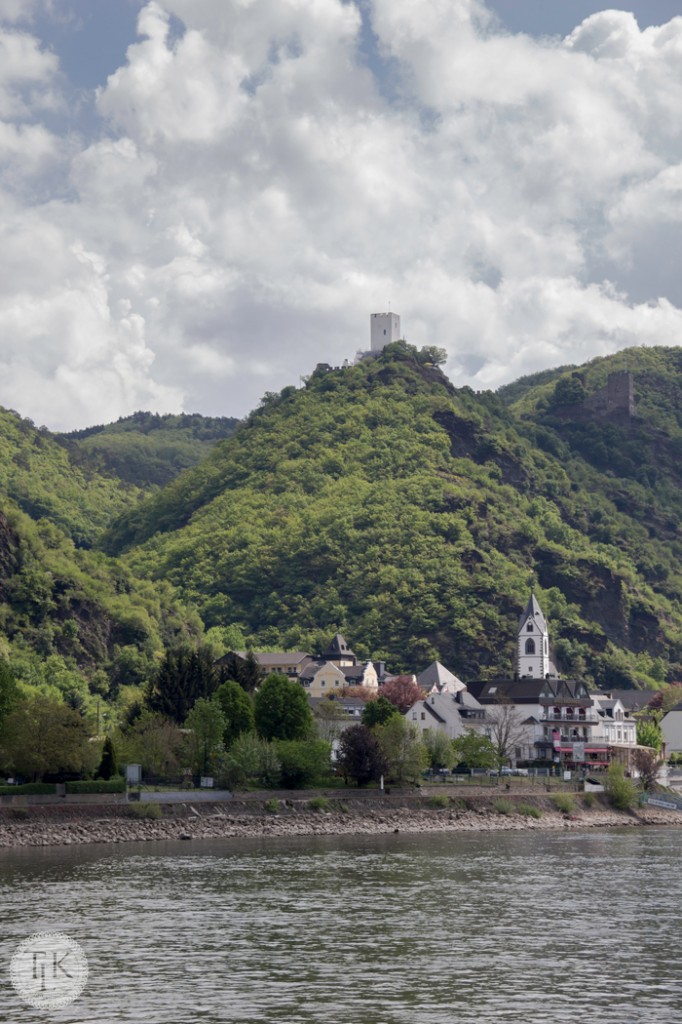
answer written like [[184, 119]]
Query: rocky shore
[[308, 818]]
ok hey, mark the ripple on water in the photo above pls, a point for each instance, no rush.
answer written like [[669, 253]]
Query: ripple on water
[[503, 928]]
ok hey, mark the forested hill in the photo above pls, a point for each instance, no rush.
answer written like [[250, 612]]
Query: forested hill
[[147, 449], [72, 620], [411, 515]]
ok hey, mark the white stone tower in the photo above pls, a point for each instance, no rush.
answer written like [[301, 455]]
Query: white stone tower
[[384, 328], [532, 658]]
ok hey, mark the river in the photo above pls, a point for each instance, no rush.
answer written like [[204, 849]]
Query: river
[[496, 928]]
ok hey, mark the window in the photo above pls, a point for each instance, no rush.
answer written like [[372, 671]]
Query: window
[[529, 627], [414, 716], [423, 715], [530, 646], [323, 683]]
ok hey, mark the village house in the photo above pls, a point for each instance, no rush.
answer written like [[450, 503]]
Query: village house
[[450, 713]]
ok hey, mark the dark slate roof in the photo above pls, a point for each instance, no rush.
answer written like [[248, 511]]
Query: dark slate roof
[[533, 611], [338, 648], [353, 671], [633, 700], [531, 691]]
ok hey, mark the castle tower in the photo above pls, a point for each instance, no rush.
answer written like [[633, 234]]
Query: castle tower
[[384, 328], [532, 658]]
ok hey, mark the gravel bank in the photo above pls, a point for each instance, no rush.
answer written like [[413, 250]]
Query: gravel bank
[[299, 819]]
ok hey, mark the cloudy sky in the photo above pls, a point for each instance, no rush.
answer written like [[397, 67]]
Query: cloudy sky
[[201, 199]]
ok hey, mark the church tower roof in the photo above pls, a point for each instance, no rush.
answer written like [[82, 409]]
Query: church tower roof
[[533, 611]]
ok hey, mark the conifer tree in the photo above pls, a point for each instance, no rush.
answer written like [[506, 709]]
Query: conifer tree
[[107, 766]]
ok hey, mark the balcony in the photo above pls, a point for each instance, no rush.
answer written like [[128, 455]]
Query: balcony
[[589, 718], [566, 745]]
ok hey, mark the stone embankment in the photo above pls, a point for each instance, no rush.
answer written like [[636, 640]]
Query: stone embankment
[[295, 817]]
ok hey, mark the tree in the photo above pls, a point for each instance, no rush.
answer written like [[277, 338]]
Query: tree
[[183, 676], [303, 762], [507, 730], [237, 708], [401, 744], [439, 749], [648, 763], [331, 719], [155, 742], [649, 734], [281, 709], [251, 759], [41, 737], [568, 390], [360, 756], [666, 699], [107, 766], [621, 791], [206, 725], [9, 692], [475, 750], [377, 712], [403, 692]]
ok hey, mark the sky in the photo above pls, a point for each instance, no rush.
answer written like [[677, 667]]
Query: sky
[[202, 199]]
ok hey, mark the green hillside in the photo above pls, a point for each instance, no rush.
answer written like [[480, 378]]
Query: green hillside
[[381, 501], [39, 475], [146, 449], [72, 619]]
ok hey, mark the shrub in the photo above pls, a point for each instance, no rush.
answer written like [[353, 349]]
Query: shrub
[[115, 785], [529, 811], [621, 792], [303, 762], [319, 803], [18, 813], [439, 802], [588, 799], [151, 812], [563, 802], [272, 806], [28, 789], [503, 806]]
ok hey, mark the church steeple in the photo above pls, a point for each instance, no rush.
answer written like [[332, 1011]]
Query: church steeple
[[532, 659]]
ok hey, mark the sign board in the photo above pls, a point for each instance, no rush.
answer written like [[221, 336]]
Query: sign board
[[567, 776], [133, 774], [578, 751], [206, 782], [668, 804]]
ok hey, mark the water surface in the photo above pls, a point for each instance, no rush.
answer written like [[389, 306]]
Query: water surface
[[497, 928]]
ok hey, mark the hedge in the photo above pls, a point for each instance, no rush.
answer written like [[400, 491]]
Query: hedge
[[117, 785], [28, 789]]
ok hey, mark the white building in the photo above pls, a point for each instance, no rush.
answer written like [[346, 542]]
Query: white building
[[384, 328], [532, 659]]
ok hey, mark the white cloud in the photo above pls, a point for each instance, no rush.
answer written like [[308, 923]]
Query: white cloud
[[256, 192]]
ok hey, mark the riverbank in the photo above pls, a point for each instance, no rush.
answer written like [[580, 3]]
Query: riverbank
[[315, 816]]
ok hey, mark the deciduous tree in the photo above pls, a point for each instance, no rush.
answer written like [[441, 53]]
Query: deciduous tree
[[507, 730], [401, 744], [303, 762], [403, 692], [378, 712], [360, 756], [43, 737], [281, 709], [439, 749], [237, 708], [475, 750], [204, 742]]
